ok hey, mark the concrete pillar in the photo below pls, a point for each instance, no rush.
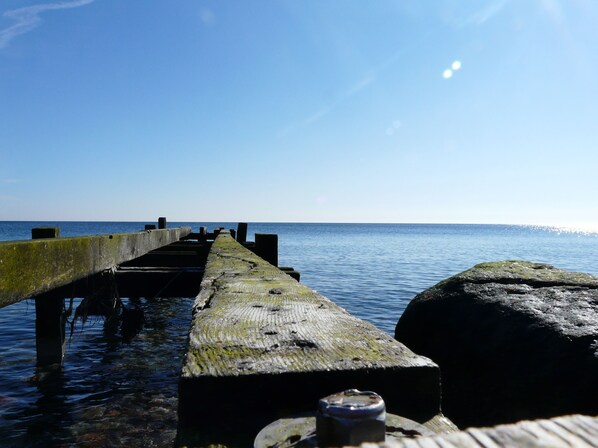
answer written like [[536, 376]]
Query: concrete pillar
[[49, 316], [266, 246], [242, 232]]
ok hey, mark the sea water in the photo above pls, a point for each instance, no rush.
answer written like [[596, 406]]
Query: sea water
[[115, 393]]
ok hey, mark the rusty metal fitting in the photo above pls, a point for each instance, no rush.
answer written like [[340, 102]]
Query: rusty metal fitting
[[351, 417]]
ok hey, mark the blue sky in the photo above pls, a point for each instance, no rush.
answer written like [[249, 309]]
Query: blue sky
[[317, 111]]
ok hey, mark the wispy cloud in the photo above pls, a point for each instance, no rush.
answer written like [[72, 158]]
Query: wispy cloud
[[207, 16], [28, 18], [364, 82], [483, 15]]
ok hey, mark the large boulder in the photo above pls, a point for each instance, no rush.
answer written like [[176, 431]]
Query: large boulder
[[514, 340]]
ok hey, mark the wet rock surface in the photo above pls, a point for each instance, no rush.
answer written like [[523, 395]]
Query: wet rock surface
[[514, 340]]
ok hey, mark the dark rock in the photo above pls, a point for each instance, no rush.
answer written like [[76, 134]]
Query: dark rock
[[131, 323], [514, 340]]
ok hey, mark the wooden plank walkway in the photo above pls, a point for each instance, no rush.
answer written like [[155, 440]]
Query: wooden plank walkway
[[263, 346], [30, 268], [561, 432]]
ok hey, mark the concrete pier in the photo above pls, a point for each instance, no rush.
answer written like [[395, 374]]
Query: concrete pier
[[263, 346]]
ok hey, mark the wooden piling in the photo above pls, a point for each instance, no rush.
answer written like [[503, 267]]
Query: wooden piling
[[266, 247], [45, 232], [50, 317], [161, 222], [150, 227], [242, 232]]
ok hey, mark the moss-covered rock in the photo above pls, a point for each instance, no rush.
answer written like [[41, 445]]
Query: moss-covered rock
[[513, 340]]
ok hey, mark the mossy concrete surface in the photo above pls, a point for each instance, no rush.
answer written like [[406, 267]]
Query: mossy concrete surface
[[30, 268], [263, 345]]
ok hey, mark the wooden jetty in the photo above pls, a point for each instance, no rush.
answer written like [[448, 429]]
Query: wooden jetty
[[262, 346], [577, 431]]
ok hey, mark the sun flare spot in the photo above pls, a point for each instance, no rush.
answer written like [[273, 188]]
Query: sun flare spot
[[456, 65], [448, 73]]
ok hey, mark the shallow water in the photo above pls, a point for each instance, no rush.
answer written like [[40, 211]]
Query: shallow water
[[112, 393]]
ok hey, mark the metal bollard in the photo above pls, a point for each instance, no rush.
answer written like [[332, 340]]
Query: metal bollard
[[350, 418]]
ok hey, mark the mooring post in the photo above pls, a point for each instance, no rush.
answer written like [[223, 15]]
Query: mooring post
[[49, 316], [161, 222], [242, 232], [266, 246]]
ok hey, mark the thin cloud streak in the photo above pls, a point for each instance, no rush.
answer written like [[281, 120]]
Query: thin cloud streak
[[483, 15], [28, 18], [368, 79]]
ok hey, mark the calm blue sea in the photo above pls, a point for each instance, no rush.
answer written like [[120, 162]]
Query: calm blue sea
[[112, 393]]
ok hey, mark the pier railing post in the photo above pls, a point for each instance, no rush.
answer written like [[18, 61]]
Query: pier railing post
[[49, 316]]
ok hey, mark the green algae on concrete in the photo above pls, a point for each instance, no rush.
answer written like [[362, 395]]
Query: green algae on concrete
[[263, 345], [30, 268]]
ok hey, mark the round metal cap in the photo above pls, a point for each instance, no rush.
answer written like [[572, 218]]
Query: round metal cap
[[352, 403]]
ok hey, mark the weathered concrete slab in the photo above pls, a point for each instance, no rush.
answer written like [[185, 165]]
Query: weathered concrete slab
[[514, 340], [264, 346], [29, 268], [563, 432]]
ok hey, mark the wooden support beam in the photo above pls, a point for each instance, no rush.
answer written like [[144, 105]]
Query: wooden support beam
[[158, 282], [30, 268], [560, 432], [50, 322], [263, 346], [50, 318]]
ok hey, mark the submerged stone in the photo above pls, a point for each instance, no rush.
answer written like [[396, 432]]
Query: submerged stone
[[514, 340]]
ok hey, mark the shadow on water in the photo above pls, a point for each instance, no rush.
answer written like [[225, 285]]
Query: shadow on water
[[118, 385]]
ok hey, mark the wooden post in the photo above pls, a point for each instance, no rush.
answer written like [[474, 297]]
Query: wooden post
[[49, 316], [203, 231], [242, 232], [161, 222], [150, 227], [45, 232], [266, 246]]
